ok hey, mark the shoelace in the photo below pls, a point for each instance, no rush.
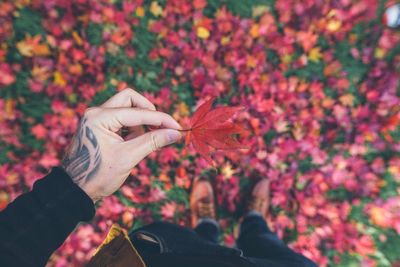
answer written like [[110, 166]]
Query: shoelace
[[256, 204], [206, 209]]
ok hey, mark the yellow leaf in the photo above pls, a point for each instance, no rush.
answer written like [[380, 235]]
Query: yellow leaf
[[332, 13], [347, 100], [183, 109], [315, 54], [380, 53], [22, 3], [25, 49], [77, 38], [259, 10], [59, 79], [9, 106], [225, 40], [228, 171], [40, 73], [156, 9], [334, 25], [286, 58], [114, 82], [140, 12], [202, 32], [31, 47], [379, 216], [72, 98]]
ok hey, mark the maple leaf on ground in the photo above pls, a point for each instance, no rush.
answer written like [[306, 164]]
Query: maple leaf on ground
[[211, 129]]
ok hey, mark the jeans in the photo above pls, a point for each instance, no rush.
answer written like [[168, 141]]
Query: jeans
[[256, 240], [162, 244]]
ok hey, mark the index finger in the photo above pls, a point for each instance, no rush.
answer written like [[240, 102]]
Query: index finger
[[128, 98], [116, 118]]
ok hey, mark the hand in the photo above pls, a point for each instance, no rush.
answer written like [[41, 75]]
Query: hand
[[99, 159]]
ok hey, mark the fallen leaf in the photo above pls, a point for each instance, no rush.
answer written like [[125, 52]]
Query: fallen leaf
[[156, 9], [315, 54], [202, 32]]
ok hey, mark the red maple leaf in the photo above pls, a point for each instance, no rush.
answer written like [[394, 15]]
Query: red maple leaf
[[212, 129]]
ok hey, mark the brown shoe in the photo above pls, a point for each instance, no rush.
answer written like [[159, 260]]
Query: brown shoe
[[202, 203], [260, 198]]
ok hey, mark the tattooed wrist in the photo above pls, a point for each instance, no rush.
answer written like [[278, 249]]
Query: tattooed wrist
[[83, 158]]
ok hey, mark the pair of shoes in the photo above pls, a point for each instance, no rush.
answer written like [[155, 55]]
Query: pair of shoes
[[202, 200]]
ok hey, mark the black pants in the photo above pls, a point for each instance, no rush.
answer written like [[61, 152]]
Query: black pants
[[256, 240], [177, 246]]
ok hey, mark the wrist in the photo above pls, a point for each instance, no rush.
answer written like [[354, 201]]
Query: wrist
[[83, 186], [90, 192]]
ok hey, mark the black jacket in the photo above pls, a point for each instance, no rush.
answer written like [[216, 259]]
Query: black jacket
[[35, 224]]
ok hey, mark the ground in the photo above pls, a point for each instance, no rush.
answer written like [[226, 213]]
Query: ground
[[319, 80]]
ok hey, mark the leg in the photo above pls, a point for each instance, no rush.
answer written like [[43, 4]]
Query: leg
[[208, 229], [257, 241]]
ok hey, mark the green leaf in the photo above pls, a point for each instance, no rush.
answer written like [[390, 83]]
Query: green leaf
[[355, 68], [391, 187], [347, 260], [102, 96], [396, 134], [185, 93], [391, 247], [179, 195], [269, 136], [306, 165], [313, 71], [94, 33], [238, 8], [357, 211], [339, 194], [28, 22]]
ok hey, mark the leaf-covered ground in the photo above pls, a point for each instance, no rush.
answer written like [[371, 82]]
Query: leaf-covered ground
[[319, 78]]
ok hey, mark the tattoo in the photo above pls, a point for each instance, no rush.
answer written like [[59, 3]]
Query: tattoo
[[83, 159]]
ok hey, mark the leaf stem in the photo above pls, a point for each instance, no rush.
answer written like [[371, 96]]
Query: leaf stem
[[185, 130]]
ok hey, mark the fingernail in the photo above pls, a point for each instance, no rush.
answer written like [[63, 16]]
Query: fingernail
[[173, 136]]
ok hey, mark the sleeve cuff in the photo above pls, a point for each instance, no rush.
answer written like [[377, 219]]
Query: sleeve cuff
[[58, 190]]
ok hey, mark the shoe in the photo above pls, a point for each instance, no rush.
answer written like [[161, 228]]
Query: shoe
[[260, 198], [202, 201]]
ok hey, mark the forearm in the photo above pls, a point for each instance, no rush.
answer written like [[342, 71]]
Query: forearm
[[96, 164], [37, 223]]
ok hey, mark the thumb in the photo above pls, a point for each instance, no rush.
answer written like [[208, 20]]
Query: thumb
[[152, 141]]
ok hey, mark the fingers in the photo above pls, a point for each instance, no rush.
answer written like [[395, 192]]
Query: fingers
[[151, 141], [115, 118], [128, 98]]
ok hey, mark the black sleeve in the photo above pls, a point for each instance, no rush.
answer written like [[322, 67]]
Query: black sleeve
[[35, 224]]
